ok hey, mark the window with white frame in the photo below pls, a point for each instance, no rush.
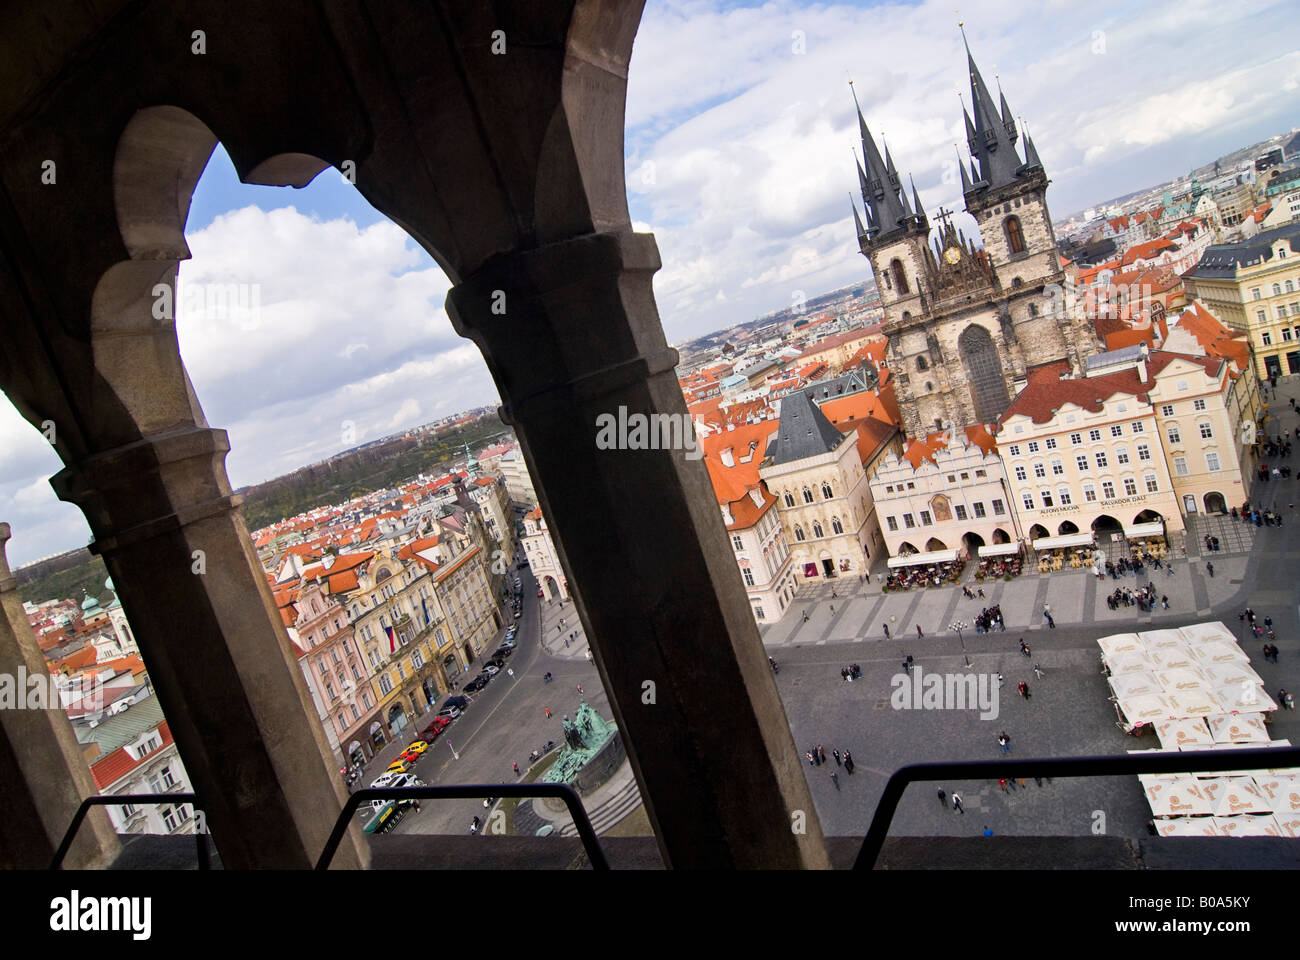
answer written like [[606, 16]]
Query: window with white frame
[[1212, 461], [1033, 446], [1076, 439], [1180, 466], [1058, 468], [1117, 430], [1039, 469], [892, 523], [1082, 463], [1089, 493], [960, 511], [1063, 496], [1138, 427], [1101, 460], [1173, 434], [1144, 451], [1207, 433], [1050, 443], [925, 518], [1153, 485], [1121, 455], [1021, 474], [1130, 487], [978, 507], [1014, 450], [1028, 501], [1046, 497], [1267, 338], [1107, 490], [1094, 435]]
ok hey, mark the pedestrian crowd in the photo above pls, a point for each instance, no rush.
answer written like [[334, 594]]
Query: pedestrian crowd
[[851, 672], [988, 617], [817, 756], [1144, 598]]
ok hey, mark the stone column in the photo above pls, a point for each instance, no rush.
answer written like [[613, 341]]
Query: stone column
[[43, 775], [570, 331], [209, 633]]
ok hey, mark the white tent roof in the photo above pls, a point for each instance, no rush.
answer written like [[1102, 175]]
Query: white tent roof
[[917, 559], [1144, 530], [1290, 824], [1282, 793], [1247, 826], [1187, 827], [1196, 632], [1070, 540], [1182, 730], [999, 549], [1119, 643], [1232, 796], [1125, 685]]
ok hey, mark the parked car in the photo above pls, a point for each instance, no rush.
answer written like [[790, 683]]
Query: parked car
[[439, 724], [446, 713], [516, 614], [503, 651], [454, 701], [400, 765], [478, 683], [491, 669], [414, 750]]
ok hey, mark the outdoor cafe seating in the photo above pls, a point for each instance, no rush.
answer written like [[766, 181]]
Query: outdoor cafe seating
[[931, 569], [1072, 551], [1146, 539], [999, 560]]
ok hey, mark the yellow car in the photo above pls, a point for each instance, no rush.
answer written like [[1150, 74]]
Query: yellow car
[[400, 765], [415, 749]]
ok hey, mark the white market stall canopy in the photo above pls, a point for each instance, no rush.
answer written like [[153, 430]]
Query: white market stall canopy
[[999, 549], [1135, 530], [917, 559], [1071, 540]]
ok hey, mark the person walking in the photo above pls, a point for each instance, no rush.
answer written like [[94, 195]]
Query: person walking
[[956, 803], [1002, 783], [1209, 568], [918, 631], [1024, 647], [812, 761], [886, 631], [1038, 672], [548, 713], [943, 799], [1164, 601], [1004, 742], [821, 754], [836, 755], [516, 768], [1051, 624], [579, 688], [848, 762], [835, 779], [1024, 689]]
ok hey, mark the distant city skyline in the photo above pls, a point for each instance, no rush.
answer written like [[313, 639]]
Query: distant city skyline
[[739, 131]]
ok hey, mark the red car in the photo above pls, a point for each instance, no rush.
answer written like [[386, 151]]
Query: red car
[[430, 733]]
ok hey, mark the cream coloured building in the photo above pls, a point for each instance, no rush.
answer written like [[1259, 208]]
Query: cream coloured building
[[947, 491], [823, 497], [1255, 286], [1083, 455], [543, 560]]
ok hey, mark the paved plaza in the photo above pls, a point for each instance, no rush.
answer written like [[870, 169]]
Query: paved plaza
[[1069, 711]]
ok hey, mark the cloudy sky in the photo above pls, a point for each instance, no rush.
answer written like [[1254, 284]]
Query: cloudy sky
[[739, 129]]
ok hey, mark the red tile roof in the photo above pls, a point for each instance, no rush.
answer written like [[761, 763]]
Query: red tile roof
[[112, 768]]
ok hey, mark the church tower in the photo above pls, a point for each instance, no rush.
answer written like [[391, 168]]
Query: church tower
[[966, 324]]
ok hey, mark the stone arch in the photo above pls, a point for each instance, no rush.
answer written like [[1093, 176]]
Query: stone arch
[[972, 541], [907, 548], [1148, 516], [1001, 536], [1067, 527], [1038, 532], [983, 366], [934, 543], [1215, 502]]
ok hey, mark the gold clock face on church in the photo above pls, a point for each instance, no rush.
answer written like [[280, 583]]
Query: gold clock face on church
[[952, 255]]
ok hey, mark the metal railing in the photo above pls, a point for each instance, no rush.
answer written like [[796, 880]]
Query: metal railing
[[586, 832], [1194, 761], [129, 800]]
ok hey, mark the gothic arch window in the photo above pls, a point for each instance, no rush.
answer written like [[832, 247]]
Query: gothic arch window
[[900, 277], [817, 529], [807, 495], [789, 499], [1016, 283], [798, 532], [922, 363], [983, 366], [1015, 237], [836, 526], [827, 493]]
